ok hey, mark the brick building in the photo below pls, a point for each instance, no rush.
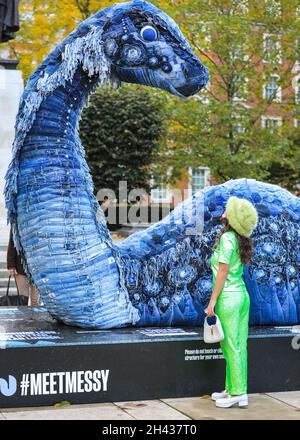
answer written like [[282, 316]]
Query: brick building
[[281, 89]]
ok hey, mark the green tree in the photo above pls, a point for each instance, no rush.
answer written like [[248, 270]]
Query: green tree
[[251, 50], [45, 24], [120, 131], [287, 172]]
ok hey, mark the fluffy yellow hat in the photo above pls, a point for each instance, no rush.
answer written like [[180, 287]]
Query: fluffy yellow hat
[[241, 215]]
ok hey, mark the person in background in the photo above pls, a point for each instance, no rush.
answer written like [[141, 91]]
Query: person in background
[[15, 268]]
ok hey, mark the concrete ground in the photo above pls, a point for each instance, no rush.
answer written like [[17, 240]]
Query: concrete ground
[[271, 406]]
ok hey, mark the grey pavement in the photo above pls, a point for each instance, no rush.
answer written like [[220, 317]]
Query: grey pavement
[[271, 406]]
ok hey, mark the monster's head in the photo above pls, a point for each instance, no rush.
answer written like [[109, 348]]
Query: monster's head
[[130, 42], [145, 46]]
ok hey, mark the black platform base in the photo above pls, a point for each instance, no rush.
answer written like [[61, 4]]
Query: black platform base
[[43, 363]]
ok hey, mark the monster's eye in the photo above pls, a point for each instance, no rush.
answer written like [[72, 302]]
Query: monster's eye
[[149, 33]]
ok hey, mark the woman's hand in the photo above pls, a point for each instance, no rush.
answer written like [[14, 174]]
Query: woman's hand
[[12, 271], [210, 308]]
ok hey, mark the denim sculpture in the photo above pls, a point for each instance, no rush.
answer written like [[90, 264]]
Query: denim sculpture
[[159, 276]]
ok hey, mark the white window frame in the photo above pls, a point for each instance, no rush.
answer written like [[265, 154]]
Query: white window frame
[[237, 56], [243, 5], [296, 87], [297, 62], [277, 42], [271, 118], [278, 96], [155, 192], [238, 127], [245, 91], [273, 7], [206, 178], [204, 29], [237, 123], [203, 96]]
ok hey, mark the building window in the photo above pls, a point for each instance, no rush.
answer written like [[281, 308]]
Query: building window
[[297, 52], [240, 88], [271, 122], [272, 90], [239, 52], [203, 37], [273, 8], [297, 89], [161, 193], [238, 122], [272, 48], [236, 7], [199, 178], [238, 127], [204, 96], [243, 6]]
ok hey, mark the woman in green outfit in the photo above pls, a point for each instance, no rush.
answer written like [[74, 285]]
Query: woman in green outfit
[[230, 299]]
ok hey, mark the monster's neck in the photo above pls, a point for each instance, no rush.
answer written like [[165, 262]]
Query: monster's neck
[[52, 155], [57, 118]]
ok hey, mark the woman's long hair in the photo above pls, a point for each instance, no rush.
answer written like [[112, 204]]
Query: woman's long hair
[[245, 243]]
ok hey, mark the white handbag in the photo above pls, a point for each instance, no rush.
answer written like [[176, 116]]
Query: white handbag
[[213, 333]]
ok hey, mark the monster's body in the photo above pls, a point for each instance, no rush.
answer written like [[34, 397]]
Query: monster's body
[[160, 276], [171, 280]]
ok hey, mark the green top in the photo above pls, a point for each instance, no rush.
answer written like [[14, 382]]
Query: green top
[[227, 251]]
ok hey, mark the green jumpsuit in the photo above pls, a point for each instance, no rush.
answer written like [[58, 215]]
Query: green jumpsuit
[[232, 307]]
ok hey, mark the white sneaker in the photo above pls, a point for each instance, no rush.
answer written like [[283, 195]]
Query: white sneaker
[[229, 401], [222, 395]]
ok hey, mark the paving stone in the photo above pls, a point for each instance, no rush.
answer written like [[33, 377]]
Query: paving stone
[[261, 407], [291, 397], [151, 410], [102, 411], [274, 406]]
